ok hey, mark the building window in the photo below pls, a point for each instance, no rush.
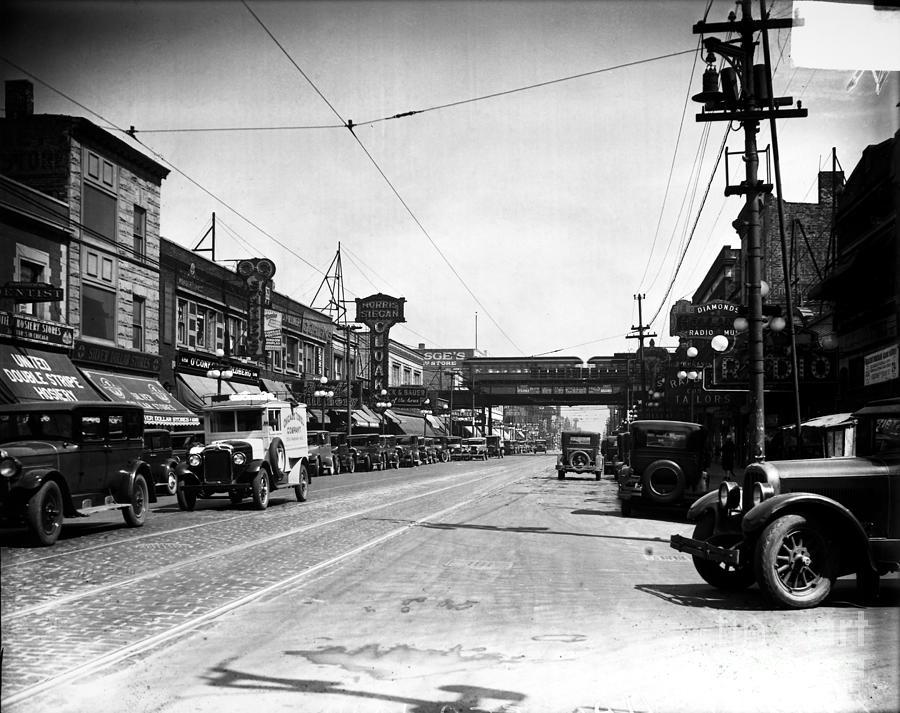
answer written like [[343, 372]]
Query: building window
[[292, 354], [138, 307], [395, 374], [339, 373], [237, 336], [32, 266], [200, 327], [139, 236], [99, 213], [98, 311]]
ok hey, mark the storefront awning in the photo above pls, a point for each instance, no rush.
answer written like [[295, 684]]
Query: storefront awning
[[28, 375], [161, 410], [365, 418], [279, 388], [196, 391], [409, 424]]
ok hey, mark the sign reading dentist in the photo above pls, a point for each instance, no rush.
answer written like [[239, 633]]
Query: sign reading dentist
[[379, 313]]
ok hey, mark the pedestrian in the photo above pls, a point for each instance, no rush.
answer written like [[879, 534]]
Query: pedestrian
[[728, 449]]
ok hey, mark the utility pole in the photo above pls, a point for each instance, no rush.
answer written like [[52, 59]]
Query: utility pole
[[641, 336], [746, 103]]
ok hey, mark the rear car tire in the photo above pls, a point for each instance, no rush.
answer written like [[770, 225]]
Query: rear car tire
[[187, 499], [301, 490], [718, 574], [260, 487], [171, 484], [795, 564], [44, 514], [351, 465], [136, 513]]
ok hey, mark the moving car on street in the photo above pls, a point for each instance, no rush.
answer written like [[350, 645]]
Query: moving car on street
[[794, 526], [254, 444], [579, 453], [667, 464], [66, 459]]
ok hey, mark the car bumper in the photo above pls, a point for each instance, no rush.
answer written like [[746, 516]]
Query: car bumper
[[705, 550]]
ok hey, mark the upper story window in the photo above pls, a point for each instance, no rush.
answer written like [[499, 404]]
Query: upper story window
[[98, 295], [98, 209], [407, 376], [395, 374], [139, 237], [292, 354], [200, 327], [138, 315]]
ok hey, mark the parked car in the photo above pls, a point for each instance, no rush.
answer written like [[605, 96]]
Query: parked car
[[794, 526], [474, 448], [667, 464], [411, 450], [429, 450], [540, 446], [159, 456], [579, 453], [183, 441], [372, 451], [64, 459], [494, 446], [254, 444], [341, 451], [454, 446], [391, 452], [443, 448], [322, 460]]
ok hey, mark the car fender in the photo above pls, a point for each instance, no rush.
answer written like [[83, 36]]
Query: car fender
[[825, 508], [703, 504], [294, 474], [185, 475], [252, 470], [127, 477]]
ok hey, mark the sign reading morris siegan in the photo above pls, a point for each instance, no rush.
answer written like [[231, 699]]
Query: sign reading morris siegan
[[379, 313]]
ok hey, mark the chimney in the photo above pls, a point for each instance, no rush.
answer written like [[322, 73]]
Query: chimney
[[19, 98]]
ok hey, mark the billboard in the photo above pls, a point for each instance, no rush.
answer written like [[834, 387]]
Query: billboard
[[445, 358]]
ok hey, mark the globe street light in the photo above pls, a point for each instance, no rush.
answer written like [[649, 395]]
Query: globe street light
[[323, 394], [425, 414], [383, 406], [221, 370]]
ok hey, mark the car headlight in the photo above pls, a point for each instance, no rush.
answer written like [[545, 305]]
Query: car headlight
[[762, 491], [729, 495], [238, 458], [9, 467], [194, 460]]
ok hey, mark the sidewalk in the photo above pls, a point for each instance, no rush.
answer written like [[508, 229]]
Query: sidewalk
[[717, 475]]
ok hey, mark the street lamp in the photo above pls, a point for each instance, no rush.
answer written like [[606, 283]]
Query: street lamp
[[425, 414], [383, 406], [323, 394], [221, 370]]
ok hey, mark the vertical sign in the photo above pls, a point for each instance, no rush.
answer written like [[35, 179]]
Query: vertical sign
[[273, 330], [379, 313]]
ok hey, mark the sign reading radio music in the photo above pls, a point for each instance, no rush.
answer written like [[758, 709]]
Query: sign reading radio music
[[379, 313], [702, 321]]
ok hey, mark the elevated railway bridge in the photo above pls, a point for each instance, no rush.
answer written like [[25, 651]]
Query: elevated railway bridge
[[539, 381]]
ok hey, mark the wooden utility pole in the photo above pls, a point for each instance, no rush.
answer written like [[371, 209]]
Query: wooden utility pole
[[641, 336]]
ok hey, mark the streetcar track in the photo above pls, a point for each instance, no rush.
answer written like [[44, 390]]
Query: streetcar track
[[144, 536], [100, 662], [99, 589]]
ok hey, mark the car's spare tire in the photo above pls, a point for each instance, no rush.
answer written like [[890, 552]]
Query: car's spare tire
[[664, 482], [579, 459]]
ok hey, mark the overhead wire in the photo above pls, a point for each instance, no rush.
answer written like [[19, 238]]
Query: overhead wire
[[350, 126]]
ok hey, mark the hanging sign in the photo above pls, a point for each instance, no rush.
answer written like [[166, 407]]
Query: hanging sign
[[379, 313]]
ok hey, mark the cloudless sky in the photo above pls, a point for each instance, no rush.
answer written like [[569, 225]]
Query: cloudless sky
[[544, 209]]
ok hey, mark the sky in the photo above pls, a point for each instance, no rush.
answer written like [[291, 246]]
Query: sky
[[522, 223]]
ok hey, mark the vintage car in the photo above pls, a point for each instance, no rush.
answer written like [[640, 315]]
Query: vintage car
[[391, 451], [411, 449], [158, 454], [373, 452], [494, 446], [579, 453], [340, 449], [454, 446], [794, 526], [322, 460], [442, 444], [64, 459], [430, 450], [667, 464], [183, 441], [540, 447], [474, 448], [255, 444]]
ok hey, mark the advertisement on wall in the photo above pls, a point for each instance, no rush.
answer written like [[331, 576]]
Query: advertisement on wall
[[445, 358], [272, 329], [880, 366]]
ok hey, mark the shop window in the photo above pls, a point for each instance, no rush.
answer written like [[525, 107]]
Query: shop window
[[292, 354], [32, 266]]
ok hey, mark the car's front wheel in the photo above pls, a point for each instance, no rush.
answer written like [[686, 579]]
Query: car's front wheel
[[171, 481], [44, 514], [187, 499], [136, 513], [301, 490], [719, 574], [794, 562], [351, 465], [260, 487]]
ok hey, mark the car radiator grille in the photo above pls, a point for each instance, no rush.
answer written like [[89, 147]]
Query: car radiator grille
[[217, 466]]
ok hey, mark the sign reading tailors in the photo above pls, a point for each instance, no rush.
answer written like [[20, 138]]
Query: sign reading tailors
[[379, 313]]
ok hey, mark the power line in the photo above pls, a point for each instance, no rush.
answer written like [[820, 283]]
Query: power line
[[350, 126]]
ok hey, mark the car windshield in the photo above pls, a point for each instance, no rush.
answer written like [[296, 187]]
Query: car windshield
[[16, 426]]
